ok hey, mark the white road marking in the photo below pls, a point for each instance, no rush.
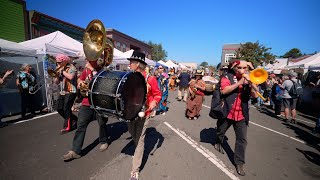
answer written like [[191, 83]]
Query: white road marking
[[313, 123], [37, 117], [205, 152], [277, 132], [300, 141]]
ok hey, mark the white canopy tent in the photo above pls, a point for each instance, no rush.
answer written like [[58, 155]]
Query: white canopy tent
[[312, 60], [56, 43], [13, 48], [171, 64], [123, 59], [12, 56]]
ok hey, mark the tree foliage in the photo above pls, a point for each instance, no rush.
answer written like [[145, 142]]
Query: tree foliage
[[157, 52], [256, 53], [204, 64], [293, 53]]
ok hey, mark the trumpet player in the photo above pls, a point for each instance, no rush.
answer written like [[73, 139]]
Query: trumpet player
[[236, 88], [68, 88], [196, 95]]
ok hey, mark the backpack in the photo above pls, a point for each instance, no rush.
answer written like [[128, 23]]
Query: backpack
[[217, 110], [296, 90]]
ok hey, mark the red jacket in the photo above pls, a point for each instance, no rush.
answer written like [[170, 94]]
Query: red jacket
[[153, 91]]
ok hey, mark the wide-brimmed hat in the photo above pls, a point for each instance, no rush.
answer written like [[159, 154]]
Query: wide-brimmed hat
[[138, 56], [199, 73]]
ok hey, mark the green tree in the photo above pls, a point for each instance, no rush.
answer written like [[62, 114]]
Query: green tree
[[204, 64], [293, 53], [157, 52], [256, 53]]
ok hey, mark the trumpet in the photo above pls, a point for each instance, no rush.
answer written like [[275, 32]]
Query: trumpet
[[55, 73], [258, 76]]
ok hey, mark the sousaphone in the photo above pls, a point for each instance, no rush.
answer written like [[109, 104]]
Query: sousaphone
[[96, 46]]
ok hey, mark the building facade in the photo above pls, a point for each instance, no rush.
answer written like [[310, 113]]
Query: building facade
[[42, 24], [13, 20], [123, 42], [228, 53]]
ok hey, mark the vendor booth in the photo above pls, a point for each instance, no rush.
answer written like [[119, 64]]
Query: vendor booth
[[12, 56], [47, 47]]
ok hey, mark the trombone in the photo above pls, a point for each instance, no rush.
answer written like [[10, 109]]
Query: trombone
[[258, 76], [52, 73]]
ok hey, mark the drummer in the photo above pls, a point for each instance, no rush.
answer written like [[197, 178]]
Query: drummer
[[86, 115], [138, 127]]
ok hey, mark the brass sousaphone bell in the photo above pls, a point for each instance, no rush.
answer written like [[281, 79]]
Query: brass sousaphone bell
[[96, 46]]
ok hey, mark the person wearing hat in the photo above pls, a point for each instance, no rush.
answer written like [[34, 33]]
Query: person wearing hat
[[87, 115], [235, 89], [196, 95], [137, 128], [68, 89], [25, 83]]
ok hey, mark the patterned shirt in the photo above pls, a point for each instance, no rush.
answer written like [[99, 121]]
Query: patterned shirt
[[70, 85], [26, 80]]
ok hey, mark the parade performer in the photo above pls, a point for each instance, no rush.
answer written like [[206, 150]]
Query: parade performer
[[163, 85], [85, 116], [68, 92], [236, 89], [196, 96], [138, 127]]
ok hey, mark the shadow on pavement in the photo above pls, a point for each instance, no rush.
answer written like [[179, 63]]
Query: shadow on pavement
[[209, 136], [311, 156], [153, 141], [304, 135]]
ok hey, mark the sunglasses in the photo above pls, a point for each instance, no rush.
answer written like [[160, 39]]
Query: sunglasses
[[160, 68]]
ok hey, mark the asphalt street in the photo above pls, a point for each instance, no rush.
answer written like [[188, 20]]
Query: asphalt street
[[176, 149]]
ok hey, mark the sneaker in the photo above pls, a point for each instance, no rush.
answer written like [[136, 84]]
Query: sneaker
[[240, 170], [134, 176], [70, 155], [104, 147]]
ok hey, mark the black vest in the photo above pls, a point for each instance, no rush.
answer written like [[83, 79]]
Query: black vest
[[231, 98]]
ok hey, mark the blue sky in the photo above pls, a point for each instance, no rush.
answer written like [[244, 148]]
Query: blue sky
[[195, 31]]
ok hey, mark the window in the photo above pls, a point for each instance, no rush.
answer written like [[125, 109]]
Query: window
[[124, 47], [118, 45], [228, 57]]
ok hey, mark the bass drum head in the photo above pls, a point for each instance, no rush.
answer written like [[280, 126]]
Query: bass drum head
[[133, 93]]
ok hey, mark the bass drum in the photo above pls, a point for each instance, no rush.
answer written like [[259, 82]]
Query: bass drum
[[117, 93]]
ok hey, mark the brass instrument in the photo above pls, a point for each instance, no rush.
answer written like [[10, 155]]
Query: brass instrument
[[95, 43], [96, 47], [55, 73], [258, 76]]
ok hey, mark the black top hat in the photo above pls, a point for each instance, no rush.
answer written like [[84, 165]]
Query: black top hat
[[138, 56]]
